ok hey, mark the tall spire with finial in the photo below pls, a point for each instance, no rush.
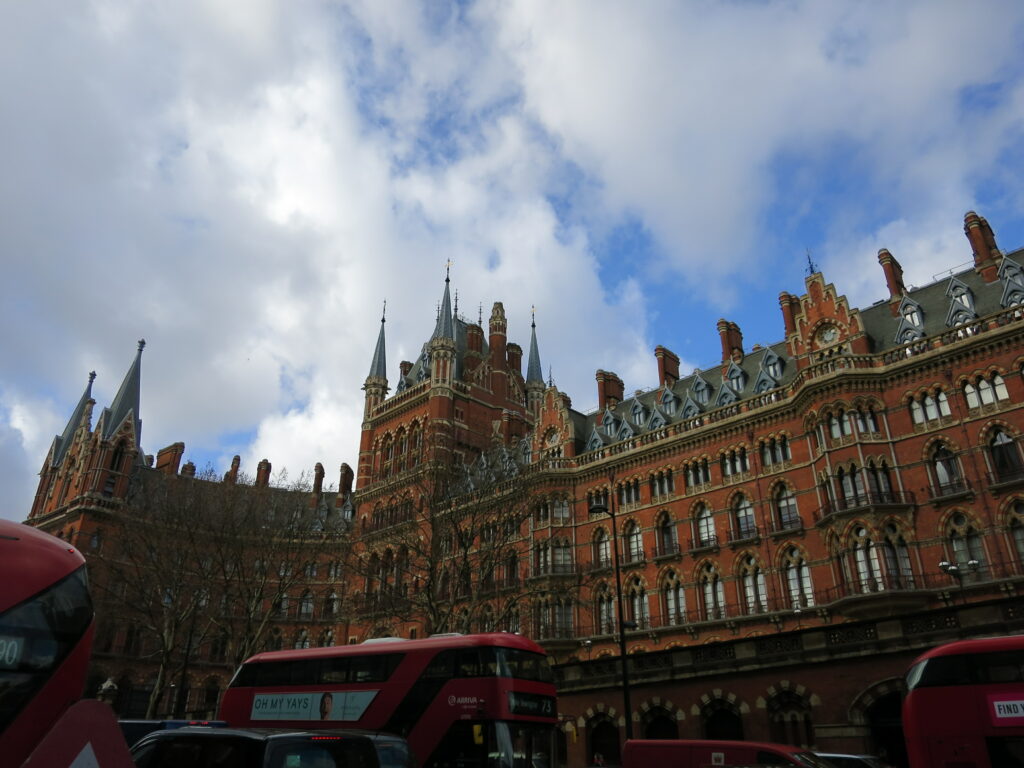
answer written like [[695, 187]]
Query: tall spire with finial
[[445, 328], [126, 401], [62, 442], [379, 367], [534, 371]]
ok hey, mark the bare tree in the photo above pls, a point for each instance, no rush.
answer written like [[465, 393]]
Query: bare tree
[[449, 554], [190, 561]]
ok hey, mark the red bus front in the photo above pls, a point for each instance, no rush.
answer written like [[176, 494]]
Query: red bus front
[[965, 705], [485, 700]]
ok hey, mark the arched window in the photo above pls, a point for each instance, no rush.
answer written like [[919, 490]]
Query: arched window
[[705, 528], [866, 421], [712, 592], [879, 484], [666, 533], [790, 719], [1005, 454], [743, 518], [1017, 529], [636, 599], [602, 549], [798, 579], [673, 600], [755, 592], [302, 639], [331, 604], [865, 558], [851, 485], [786, 515], [947, 472], [604, 610], [561, 553], [965, 545], [634, 543], [898, 571]]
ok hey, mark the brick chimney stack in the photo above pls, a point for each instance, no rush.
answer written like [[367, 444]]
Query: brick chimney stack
[[610, 390], [318, 478], [983, 244], [475, 338], [189, 470], [169, 459], [732, 341], [345, 481], [404, 367], [263, 474], [231, 476], [893, 279], [515, 357], [668, 366], [788, 317]]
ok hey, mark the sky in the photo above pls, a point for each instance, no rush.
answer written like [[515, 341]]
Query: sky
[[244, 184]]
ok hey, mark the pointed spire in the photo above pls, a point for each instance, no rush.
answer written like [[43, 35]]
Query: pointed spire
[[378, 368], [534, 371], [62, 442], [445, 328], [126, 401]]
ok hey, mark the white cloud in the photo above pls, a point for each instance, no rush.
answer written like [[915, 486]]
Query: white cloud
[[244, 184]]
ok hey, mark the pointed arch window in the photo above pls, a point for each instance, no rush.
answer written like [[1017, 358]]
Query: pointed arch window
[[604, 610], [898, 570], [865, 558], [674, 600], [712, 593], [698, 473], [636, 600], [743, 518], [965, 545], [867, 422], [1017, 529], [879, 482], [775, 451], [786, 515], [946, 467], [602, 549], [666, 536], [1005, 455], [755, 590], [633, 538], [798, 579], [851, 484], [705, 528]]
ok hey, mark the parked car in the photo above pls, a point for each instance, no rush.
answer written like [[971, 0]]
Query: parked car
[[134, 730], [270, 748], [696, 753], [852, 761]]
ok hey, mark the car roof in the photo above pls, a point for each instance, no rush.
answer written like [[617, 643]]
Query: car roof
[[267, 734]]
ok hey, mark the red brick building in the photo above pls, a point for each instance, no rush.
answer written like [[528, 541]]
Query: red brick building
[[794, 523]]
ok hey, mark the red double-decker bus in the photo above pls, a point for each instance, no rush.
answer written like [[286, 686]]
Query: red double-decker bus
[[46, 627], [965, 705], [473, 700]]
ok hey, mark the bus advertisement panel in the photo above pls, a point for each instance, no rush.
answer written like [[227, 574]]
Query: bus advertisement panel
[[486, 700], [965, 705]]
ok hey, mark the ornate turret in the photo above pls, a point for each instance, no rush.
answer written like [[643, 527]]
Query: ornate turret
[[376, 385], [534, 372], [124, 411], [442, 343]]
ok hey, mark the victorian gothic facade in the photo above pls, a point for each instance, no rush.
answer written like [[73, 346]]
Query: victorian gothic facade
[[793, 523]]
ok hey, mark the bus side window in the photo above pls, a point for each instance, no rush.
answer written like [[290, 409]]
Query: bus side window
[[469, 663], [441, 666], [334, 670]]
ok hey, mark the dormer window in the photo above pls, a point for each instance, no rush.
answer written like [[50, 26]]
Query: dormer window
[[774, 368], [912, 315], [638, 413], [701, 391], [737, 378]]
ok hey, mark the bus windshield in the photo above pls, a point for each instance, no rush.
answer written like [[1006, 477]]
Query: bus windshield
[[36, 636], [500, 744]]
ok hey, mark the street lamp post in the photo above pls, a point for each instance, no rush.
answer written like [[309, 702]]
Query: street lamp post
[[601, 509], [957, 571]]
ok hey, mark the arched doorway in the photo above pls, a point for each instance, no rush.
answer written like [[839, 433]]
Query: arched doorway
[[658, 723], [722, 721], [604, 742], [885, 726], [790, 719]]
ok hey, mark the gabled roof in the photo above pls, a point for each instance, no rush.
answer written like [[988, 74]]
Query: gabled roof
[[62, 442]]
